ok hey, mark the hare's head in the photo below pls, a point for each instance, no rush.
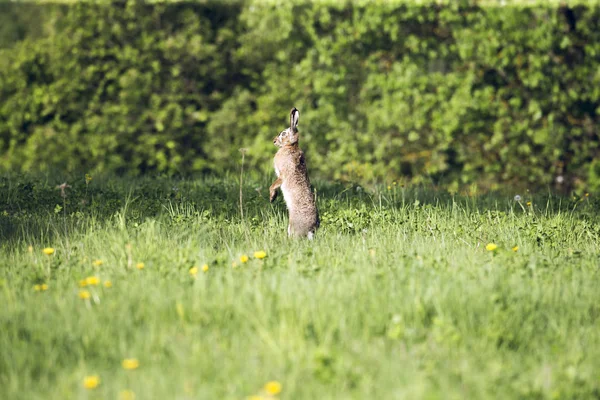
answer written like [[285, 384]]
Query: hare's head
[[290, 135]]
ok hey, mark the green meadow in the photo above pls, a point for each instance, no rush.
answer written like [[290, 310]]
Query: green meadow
[[156, 289]]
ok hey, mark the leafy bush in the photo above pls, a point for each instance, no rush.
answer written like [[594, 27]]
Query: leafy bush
[[453, 94], [127, 87]]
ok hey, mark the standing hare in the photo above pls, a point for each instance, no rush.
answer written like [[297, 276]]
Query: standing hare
[[292, 177]]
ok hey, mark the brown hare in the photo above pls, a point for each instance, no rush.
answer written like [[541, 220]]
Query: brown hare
[[292, 177]]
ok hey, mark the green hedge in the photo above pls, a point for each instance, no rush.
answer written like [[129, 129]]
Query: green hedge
[[452, 94]]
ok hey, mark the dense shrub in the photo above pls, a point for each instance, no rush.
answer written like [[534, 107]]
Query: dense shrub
[[21, 20], [127, 87], [451, 94]]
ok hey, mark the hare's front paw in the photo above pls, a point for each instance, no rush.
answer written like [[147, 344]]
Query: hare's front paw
[[272, 195]]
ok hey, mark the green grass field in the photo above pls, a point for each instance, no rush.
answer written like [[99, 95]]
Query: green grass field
[[397, 298]]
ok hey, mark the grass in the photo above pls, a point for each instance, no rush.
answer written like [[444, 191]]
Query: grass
[[397, 297]]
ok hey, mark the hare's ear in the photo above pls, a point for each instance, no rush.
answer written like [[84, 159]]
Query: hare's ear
[[294, 116]]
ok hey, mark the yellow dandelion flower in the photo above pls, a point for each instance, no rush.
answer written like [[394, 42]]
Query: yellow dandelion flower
[[84, 294], [107, 284], [30, 249], [205, 268], [491, 247], [244, 258], [273, 388], [194, 271], [48, 251], [389, 187], [260, 254], [82, 283], [255, 398], [41, 287], [91, 382], [515, 249], [528, 204], [92, 280], [130, 363], [126, 395], [587, 195], [97, 263], [140, 265]]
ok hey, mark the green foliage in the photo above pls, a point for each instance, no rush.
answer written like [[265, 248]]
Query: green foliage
[[127, 87], [396, 287], [20, 20], [454, 94]]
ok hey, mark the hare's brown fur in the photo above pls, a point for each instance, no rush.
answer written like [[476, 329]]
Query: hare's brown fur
[[292, 177]]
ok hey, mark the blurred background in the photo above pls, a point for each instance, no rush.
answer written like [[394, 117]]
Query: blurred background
[[468, 93]]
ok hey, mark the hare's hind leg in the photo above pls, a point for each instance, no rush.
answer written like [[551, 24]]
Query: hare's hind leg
[[311, 235]]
